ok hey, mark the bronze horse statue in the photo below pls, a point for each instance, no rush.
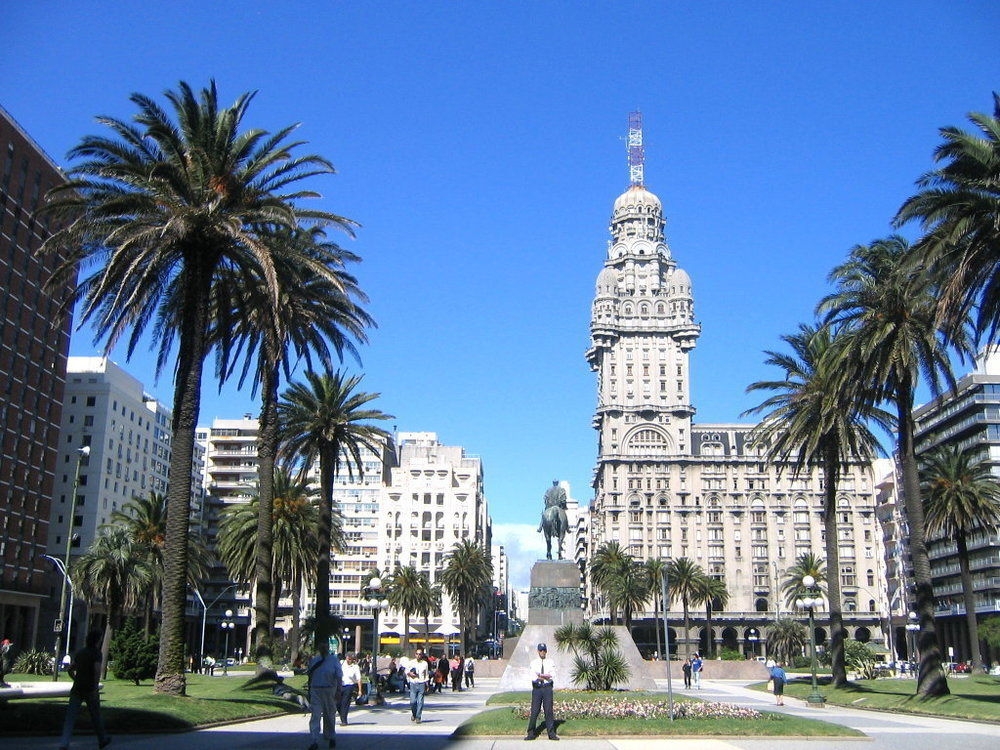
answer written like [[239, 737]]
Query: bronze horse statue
[[555, 523]]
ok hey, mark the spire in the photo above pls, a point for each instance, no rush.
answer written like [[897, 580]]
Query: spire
[[636, 151]]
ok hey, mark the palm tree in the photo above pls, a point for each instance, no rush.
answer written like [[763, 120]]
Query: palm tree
[[317, 310], [606, 564], [656, 569], [161, 206], [328, 419], [808, 564], [817, 419], [959, 211], [629, 590], [961, 495], [146, 521], [428, 603], [786, 639], [684, 578], [404, 594], [466, 577], [714, 594], [295, 514], [114, 571], [888, 310]]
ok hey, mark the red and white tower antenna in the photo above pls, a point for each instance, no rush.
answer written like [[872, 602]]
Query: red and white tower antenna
[[636, 151]]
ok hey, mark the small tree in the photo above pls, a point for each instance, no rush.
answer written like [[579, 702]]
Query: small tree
[[597, 662], [133, 653]]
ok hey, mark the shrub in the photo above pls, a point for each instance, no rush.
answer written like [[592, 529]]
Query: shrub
[[133, 655], [34, 662], [731, 654], [597, 662], [801, 662]]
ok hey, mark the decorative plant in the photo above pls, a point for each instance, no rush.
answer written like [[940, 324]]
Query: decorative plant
[[34, 662], [597, 660]]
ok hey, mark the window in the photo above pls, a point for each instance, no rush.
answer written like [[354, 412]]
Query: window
[[88, 421], [91, 400]]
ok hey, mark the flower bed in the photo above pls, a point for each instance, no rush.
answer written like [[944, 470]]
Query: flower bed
[[623, 708]]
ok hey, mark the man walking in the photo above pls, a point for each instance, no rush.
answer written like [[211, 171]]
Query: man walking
[[696, 666], [542, 669], [470, 671], [348, 686], [325, 675], [6, 653], [778, 678], [416, 682], [85, 669]]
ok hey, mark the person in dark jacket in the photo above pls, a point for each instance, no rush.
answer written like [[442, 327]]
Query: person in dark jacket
[[779, 679], [443, 669], [85, 669]]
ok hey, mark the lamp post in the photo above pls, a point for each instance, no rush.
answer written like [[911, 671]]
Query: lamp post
[[204, 616], [753, 635], [81, 453], [58, 564], [912, 626], [345, 634], [375, 598], [227, 627], [809, 602]]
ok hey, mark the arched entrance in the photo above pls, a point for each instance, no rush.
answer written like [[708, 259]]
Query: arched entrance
[[730, 639]]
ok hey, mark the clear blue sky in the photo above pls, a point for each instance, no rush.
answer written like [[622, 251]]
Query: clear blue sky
[[479, 145]]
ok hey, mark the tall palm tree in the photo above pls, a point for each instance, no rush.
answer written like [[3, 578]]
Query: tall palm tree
[[959, 210], [295, 514], [607, 563], [428, 603], [466, 577], [145, 517], [656, 569], [713, 594], [815, 418], [807, 564], [317, 310], [889, 309], [404, 594], [786, 638], [328, 419], [114, 571], [961, 495], [160, 207], [684, 577], [629, 590]]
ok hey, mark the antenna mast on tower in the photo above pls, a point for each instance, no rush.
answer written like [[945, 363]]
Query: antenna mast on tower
[[636, 151]]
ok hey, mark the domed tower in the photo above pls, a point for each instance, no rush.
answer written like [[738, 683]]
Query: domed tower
[[642, 331]]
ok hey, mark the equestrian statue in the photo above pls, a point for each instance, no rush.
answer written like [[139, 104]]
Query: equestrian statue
[[554, 523]]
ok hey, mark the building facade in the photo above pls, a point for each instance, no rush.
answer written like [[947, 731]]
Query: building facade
[[968, 417], [34, 343], [667, 487]]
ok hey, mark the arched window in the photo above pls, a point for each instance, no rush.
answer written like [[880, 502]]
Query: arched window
[[647, 441], [760, 605]]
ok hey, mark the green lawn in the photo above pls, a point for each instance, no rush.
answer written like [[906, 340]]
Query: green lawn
[[127, 708], [971, 697], [504, 721]]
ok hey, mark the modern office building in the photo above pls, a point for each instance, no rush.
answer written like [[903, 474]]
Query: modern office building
[[668, 487], [969, 417], [34, 343]]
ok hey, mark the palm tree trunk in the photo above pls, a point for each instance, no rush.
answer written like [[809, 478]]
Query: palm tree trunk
[[687, 628], [405, 643], [931, 679], [709, 638], [831, 472], [296, 614], [187, 404], [427, 633], [327, 471], [969, 597], [267, 446], [656, 622]]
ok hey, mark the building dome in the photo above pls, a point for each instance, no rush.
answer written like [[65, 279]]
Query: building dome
[[681, 282], [607, 281], [635, 198], [637, 214]]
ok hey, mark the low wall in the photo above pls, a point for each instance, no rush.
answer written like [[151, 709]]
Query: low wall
[[714, 669]]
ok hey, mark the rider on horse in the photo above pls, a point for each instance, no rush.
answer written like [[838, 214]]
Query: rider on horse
[[554, 520]]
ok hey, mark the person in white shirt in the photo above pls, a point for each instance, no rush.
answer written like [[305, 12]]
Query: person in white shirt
[[416, 680], [348, 686], [325, 674], [542, 668], [470, 671]]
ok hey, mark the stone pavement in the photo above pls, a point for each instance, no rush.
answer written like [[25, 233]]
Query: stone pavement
[[389, 727]]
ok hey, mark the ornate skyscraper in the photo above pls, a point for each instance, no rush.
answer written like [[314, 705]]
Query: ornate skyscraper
[[666, 487]]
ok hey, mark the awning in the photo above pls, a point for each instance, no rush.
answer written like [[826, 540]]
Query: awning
[[447, 629]]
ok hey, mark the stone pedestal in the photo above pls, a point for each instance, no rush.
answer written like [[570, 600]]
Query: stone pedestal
[[554, 600]]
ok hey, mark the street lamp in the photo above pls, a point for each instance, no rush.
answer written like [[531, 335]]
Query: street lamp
[[227, 627], [912, 626], [58, 564], [753, 635], [345, 634], [375, 598], [204, 616], [809, 602], [81, 453]]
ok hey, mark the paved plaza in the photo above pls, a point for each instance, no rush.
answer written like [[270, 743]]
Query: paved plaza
[[389, 727]]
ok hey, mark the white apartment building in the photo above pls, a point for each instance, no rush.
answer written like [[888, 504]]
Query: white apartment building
[[667, 487]]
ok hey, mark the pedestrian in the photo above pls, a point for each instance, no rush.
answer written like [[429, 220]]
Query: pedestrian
[[686, 669], [542, 669], [324, 678], [6, 651], [85, 669], [470, 671], [349, 685], [779, 678], [209, 665], [457, 671], [443, 670], [696, 667], [416, 682]]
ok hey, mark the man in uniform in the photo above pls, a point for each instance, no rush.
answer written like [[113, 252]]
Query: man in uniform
[[542, 669]]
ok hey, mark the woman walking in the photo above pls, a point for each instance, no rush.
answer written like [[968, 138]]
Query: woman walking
[[687, 673], [457, 671]]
